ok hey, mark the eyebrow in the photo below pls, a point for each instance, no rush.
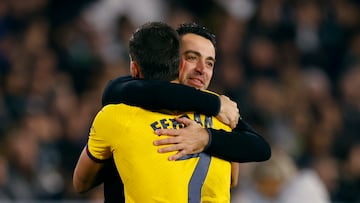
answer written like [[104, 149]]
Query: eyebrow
[[198, 54]]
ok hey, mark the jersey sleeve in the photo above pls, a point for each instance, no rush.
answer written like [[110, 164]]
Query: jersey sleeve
[[98, 148], [160, 95]]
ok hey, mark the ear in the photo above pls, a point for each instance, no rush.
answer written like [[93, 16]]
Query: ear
[[182, 63], [135, 69]]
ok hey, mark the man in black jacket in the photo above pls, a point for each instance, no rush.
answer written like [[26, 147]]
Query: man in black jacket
[[244, 144]]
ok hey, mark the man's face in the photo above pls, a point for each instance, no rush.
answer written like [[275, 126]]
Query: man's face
[[199, 56]]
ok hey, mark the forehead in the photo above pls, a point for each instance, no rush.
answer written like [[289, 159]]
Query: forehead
[[197, 43]]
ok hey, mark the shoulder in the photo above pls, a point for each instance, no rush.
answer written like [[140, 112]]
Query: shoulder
[[121, 79], [117, 81], [113, 109], [211, 92]]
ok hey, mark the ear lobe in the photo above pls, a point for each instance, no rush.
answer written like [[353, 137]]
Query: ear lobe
[[135, 71]]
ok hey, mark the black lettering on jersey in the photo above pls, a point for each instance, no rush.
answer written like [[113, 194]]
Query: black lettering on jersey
[[155, 125], [175, 124], [207, 123], [167, 123], [164, 123], [197, 118]]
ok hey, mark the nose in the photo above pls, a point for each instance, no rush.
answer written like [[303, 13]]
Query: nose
[[200, 66]]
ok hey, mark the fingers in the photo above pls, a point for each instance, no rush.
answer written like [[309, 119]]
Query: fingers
[[232, 121], [172, 148], [181, 152], [229, 111], [232, 125], [177, 155], [191, 139], [170, 132], [171, 140], [235, 122], [175, 132], [185, 121]]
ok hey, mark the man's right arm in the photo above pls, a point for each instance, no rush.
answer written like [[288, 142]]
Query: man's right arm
[[86, 173], [242, 145]]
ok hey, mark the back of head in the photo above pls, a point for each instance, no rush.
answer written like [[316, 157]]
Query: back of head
[[155, 47], [197, 29]]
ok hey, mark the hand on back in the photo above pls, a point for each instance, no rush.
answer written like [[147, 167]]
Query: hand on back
[[189, 140]]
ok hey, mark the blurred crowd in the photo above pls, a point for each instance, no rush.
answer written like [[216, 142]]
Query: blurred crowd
[[293, 66]]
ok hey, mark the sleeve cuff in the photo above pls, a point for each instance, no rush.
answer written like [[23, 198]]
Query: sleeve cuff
[[210, 139], [94, 158]]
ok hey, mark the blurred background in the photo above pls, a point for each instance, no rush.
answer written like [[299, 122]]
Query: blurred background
[[293, 66]]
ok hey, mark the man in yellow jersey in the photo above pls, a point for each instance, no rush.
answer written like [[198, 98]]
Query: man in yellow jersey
[[241, 145], [125, 132]]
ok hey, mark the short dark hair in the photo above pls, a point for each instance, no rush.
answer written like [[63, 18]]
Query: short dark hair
[[197, 29], [155, 46]]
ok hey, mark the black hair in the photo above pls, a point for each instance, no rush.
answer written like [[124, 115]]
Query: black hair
[[197, 29], [155, 46]]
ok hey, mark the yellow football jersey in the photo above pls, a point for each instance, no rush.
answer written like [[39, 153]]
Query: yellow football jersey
[[127, 133]]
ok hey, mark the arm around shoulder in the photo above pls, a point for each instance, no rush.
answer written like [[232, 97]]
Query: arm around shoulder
[[159, 95]]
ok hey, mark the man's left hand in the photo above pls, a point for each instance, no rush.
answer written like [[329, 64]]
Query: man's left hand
[[189, 140]]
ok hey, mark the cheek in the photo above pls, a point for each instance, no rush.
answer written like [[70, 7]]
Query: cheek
[[209, 74]]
